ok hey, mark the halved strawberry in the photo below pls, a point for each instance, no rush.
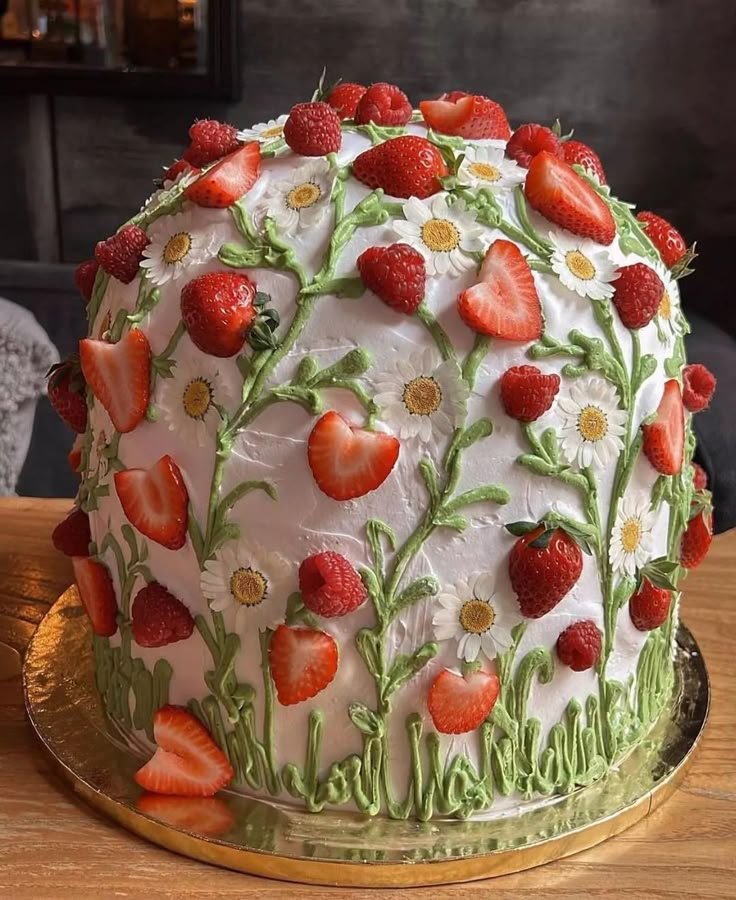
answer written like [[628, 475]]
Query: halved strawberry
[[155, 502], [460, 703], [228, 180], [303, 662], [697, 538], [97, 594], [202, 815], [119, 376], [664, 439], [72, 535], [563, 197], [187, 762], [348, 461], [505, 303], [467, 116]]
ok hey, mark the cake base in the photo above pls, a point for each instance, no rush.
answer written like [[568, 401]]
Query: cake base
[[341, 848]]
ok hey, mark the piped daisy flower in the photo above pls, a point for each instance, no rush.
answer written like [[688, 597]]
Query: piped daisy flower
[[488, 167], [445, 234], [301, 199], [632, 544], [583, 266], [251, 580], [472, 615], [423, 395], [177, 243], [593, 423], [264, 132], [189, 399]]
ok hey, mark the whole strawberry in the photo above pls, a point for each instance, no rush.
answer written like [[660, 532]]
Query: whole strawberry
[[66, 393], [209, 140], [313, 129], [649, 606], [330, 585], [218, 312], [344, 98], [470, 116], [72, 535], [407, 166], [120, 255], [637, 294], [544, 565], [159, 618], [526, 393], [576, 153], [580, 644], [665, 237], [397, 274], [528, 140], [383, 104], [698, 386], [697, 538], [84, 278]]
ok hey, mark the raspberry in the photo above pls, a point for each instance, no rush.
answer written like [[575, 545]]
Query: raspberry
[[396, 274], [120, 255], [579, 646], [176, 169], [698, 385], [526, 393], [84, 278], [383, 104], [344, 99], [209, 140], [330, 585], [72, 535], [649, 606], [700, 479], [637, 294], [579, 154], [528, 140], [313, 129], [159, 618], [407, 166]]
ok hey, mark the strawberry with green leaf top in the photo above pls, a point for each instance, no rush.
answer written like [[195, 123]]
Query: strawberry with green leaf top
[[66, 392]]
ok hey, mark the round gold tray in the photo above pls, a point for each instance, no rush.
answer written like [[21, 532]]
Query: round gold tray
[[340, 848]]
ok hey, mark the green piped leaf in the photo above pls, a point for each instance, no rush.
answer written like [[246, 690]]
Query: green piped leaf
[[662, 572], [297, 613], [430, 476], [494, 493], [404, 667], [365, 720], [307, 369], [536, 464], [451, 520], [426, 586], [480, 429], [370, 648], [550, 444]]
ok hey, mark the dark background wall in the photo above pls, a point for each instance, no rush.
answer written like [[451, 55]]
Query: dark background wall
[[650, 84]]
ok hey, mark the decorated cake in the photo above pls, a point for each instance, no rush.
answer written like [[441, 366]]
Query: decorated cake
[[386, 462]]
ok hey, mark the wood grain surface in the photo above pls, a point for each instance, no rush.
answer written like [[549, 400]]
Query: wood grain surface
[[52, 846]]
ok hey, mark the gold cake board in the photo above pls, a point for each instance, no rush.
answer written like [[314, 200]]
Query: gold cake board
[[342, 848]]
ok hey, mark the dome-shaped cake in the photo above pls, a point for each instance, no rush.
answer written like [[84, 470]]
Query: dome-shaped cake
[[387, 465]]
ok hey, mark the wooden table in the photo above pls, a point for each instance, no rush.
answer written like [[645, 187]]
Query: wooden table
[[52, 846]]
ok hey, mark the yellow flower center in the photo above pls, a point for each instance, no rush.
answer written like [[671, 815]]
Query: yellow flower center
[[592, 423], [484, 171], [248, 587], [177, 247], [440, 235], [477, 616], [422, 396], [665, 306], [274, 132], [631, 534], [579, 264], [197, 398], [303, 195]]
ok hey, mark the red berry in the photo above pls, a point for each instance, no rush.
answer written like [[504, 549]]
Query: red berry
[[396, 274], [460, 703], [470, 116], [665, 237], [120, 255], [542, 576], [159, 618], [697, 538], [649, 606], [97, 594], [698, 386], [313, 129], [155, 501], [580, 644], [228, 180], [303, 662], [579, 154], [453, 96], [84, 278], [664, 438], [344, 99], [528, 140], [330, 585], [66, 393], [637, 294], [217, 311], [176, 169], [407, 166], [72, 535], [526, 393], [700, 478], [383, 104], [209, 140]]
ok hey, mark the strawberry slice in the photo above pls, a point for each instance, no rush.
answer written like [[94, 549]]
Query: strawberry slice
[[72, 535], [97, 594], [202, 815], [155, 502], [119, 376], [228, 180], [187, 762], [467, 116], [664, 439], [348, 461], [505, 303], [562, 196], [303, 662], [460, 703]]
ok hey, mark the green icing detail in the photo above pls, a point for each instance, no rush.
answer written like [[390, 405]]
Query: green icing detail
[[98, 292]]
